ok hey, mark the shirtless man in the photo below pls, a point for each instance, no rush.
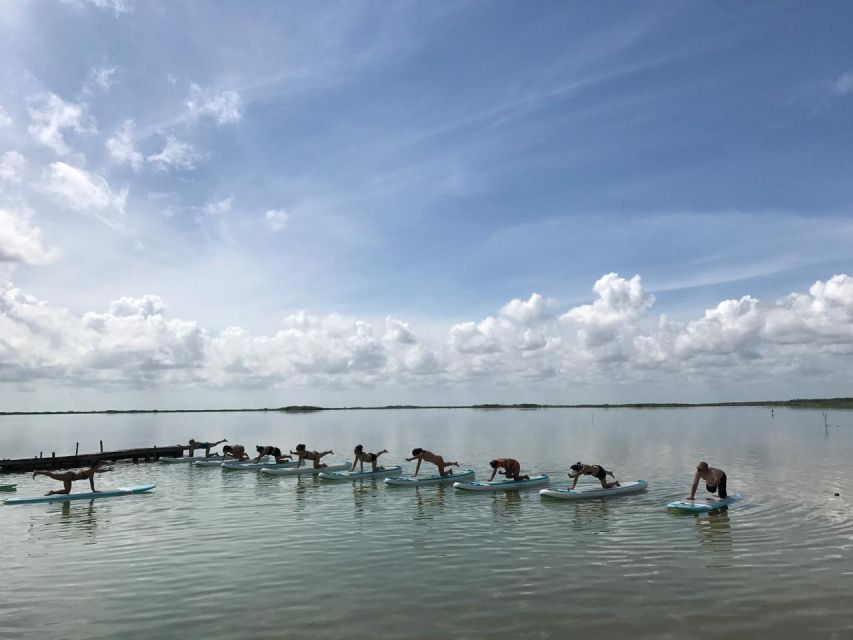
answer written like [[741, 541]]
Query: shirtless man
[[67, 477], [268, 450], [422, 454], [511, 469], [362, 457], [304, 454], [715, 480], [237, 452], [207, 446], [594, 470]]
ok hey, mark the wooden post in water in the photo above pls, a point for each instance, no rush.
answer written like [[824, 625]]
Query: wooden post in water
[[53, 454], [40, 454], [77, 449], [102, 446]]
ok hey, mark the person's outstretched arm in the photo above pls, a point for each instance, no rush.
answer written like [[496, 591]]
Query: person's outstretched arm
[[694, 485]]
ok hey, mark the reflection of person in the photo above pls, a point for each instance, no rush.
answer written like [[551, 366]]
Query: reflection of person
[[268, 450], [362, 457], [67, 477], [207, 446], [237, 451], [422, 454], [303, 454], [594, 470], [511, 469], [715, 480]]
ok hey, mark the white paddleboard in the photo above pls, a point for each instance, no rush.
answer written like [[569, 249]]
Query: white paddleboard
[[187, 460], [703, 505], [254, 466], [107, 493], [586, 493], [502, 485], [213, 463], [355, 475], [410, 481], [303, 471]]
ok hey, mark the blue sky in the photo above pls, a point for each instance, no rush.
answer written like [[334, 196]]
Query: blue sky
[[424, 162]]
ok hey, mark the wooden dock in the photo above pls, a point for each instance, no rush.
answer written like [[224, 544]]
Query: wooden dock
[[147, 454]]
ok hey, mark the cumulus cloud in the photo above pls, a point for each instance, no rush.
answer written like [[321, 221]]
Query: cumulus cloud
[[12, 166], [50, 115], [276, 220], [223, 107], [118, 7], [20, 240], [175, 155], [121, 147], [5, 118], [218, 208], [135, 343], [83, 191]]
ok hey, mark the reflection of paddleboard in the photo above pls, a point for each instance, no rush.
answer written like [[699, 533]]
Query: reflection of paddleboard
[[409, 481], [109, 493], [187, 460], [702, 505], [502, 485], [303, 471], [254, 466], [8, 487], [585, 493], [355, 475]]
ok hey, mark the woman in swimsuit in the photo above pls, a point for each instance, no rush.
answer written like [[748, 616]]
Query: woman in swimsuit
[[595, 470], [362, 457], [67, 477], [511, 469], [237, 452], [304, 454], [422, 454], [207, 446], [270, 451]]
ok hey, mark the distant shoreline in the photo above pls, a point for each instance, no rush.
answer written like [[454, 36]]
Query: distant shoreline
[[803, 403]]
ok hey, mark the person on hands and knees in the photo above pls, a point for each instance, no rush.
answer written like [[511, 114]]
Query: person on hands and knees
[[511, 469], [715, 480], [594, 470], [361, 456], [422, 454]]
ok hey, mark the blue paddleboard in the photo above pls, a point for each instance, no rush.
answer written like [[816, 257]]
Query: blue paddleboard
[[409, 481], [109, 493], [355, 475], [703, 505]]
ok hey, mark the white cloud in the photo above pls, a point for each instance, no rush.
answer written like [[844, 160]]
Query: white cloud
[[218, 208], [103, 76], [121, 149], [276, 219], [175, 155], [224, 107], [83, 191], [843, 84], [118, 7], [5, 118], [12, 166], [20, 241], [50, 115]]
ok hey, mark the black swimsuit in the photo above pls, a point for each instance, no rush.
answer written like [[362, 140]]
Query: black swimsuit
[[602, 474]]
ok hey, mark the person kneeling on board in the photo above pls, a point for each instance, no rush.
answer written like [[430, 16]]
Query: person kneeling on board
[[67, 477], [362, 457], [268, 450], [594, 470], [303, 454], [237, 452], [422, 454], [715, 480], [511, 469], [207, 446]]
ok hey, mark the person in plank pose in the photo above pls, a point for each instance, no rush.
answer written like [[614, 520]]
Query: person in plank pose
[[511, 469], [67, 477], [268, 450], [362, 457], [594, 470], [237, 451], [207, 446], [303, 454], [715, 480], [422, 454]]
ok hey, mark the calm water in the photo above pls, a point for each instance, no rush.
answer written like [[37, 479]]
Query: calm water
[[211, 553]]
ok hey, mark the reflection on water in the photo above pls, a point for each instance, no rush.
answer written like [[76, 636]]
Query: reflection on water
[[224, 551]]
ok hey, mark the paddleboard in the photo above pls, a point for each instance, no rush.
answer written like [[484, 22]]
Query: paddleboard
[[107, 493], [409, 481], [502, 485], [213, 463], [187, 460], [703, 505], [586, 493], [8, 487], [254, 466], [304, 471], [355, 475]]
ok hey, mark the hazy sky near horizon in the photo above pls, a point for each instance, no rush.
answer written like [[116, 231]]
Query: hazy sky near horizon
[[270, 203]]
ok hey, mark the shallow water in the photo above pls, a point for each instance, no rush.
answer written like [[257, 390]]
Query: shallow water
[[212, 553]]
